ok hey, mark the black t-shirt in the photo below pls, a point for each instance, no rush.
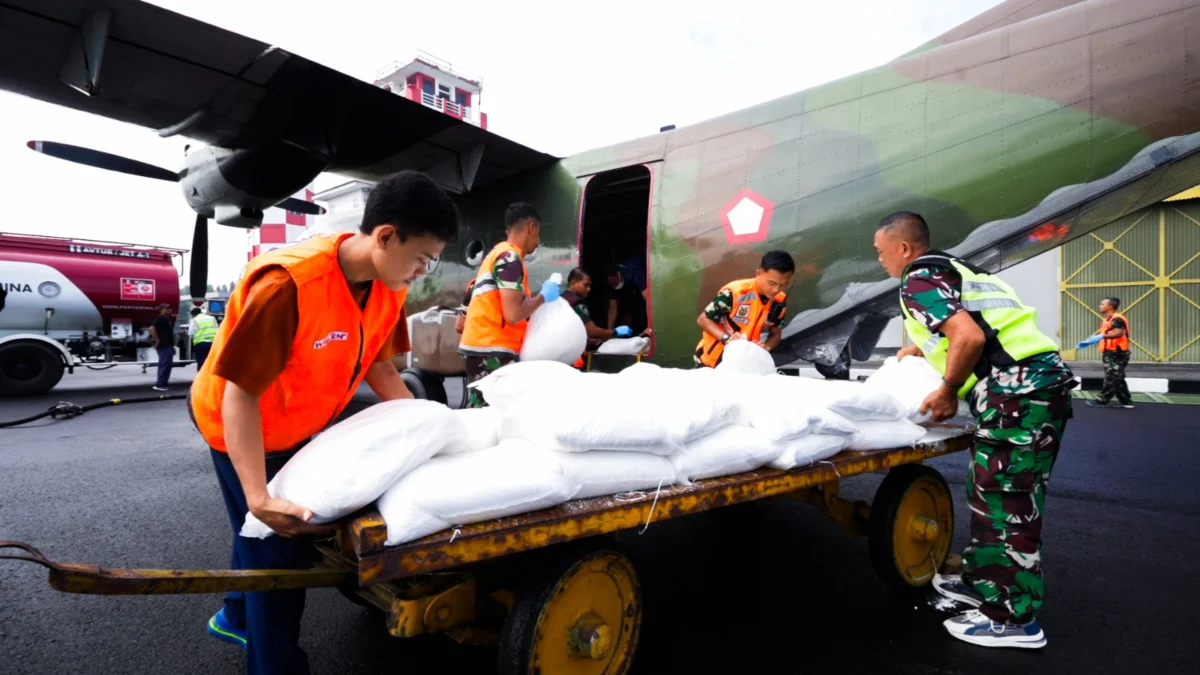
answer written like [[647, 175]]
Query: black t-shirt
[[166, 334], [631, 307], [1118, 322]]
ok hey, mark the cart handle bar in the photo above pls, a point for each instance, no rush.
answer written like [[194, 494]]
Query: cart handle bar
[[96, 580]]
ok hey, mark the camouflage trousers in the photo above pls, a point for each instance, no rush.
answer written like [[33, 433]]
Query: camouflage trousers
[[1016, 444], [479, 367], [1114, 378]]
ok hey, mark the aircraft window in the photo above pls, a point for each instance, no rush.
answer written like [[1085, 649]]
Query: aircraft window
[[474, 252]]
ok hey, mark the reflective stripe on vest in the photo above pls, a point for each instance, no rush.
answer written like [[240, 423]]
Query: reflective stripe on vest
[[206, 328], [748, 316], [1115, 344], [1009, 326], [334, 345], [485, 331]]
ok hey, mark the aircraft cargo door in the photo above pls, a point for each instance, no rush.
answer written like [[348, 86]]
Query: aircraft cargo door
[[613, 239]]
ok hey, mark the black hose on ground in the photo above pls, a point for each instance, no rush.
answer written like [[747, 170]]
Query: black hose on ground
[[65, 411]]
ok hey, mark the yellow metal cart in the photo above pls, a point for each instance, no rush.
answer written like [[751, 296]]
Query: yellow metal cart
[[552, 589]]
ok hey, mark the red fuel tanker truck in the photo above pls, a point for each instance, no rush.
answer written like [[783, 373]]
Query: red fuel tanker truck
[[68, 303]]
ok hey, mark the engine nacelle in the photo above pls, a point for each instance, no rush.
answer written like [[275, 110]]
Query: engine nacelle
[[234, 187]]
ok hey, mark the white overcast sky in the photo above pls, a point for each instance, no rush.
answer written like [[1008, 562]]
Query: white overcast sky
[[558, 76]]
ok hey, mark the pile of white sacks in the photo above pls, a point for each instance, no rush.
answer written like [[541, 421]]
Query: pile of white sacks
[[553, 434]]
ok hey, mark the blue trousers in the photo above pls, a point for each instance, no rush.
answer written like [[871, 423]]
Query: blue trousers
[[166, 361], [272, 618]]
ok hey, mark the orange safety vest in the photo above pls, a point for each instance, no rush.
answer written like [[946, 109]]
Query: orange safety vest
[[748, 315], [1114, 344], [335, 343], [485, 331]]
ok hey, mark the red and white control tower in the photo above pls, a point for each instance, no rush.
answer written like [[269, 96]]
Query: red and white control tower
[[279, 227], [433, 83]]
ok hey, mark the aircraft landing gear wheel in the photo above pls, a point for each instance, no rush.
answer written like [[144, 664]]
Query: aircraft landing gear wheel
[[580, 616], [28, 368], [911, 527], [424, 385]]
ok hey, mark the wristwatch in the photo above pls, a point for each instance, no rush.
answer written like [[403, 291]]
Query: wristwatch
[[724, 338]]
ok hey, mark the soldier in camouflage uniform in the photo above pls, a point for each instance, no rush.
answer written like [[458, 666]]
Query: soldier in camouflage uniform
[[1021, 408], [494, 329]]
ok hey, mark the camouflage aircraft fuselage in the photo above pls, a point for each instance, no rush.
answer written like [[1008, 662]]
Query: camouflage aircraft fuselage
[[979, 130]]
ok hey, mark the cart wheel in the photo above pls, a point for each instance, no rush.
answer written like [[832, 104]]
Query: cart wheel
[[582, 615], [424, 385], [912, 524]]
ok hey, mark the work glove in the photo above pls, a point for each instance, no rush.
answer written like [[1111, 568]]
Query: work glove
[[1089, 342], [623, 331], [550, 291]]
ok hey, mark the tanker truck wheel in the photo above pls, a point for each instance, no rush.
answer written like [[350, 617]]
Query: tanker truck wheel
[[28, 368]]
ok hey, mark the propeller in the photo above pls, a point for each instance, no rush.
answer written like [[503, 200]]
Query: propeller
[[103, 160], [199, 272]]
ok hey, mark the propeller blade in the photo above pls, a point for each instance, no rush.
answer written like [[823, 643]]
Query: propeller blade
[[102, 160], [301, 206], [199, 275]]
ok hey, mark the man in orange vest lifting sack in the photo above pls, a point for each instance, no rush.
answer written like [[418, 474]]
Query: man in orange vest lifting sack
[[1113, 337], [495, 325], [748, 309], [307, 325]]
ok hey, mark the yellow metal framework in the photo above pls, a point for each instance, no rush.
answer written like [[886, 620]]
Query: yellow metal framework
[[1157, 284]]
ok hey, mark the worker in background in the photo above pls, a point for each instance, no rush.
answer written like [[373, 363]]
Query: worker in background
[[975, 331], [627, 302], [1113, 337], [500, 301], [579, 285], [162, 331], [307, 325], [203, 329], [460, 319], [747, 309]]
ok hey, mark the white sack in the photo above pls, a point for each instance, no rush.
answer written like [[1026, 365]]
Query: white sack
[[728, 451], [779, 426], [808, 450], [461, 489], [877, 435], [508, 384], [481, 430], [851, 400], [624, 346], [744, 356], [555, 333], [608, 473], [650, 413], [352, 462], [829, 422], [909, 381]]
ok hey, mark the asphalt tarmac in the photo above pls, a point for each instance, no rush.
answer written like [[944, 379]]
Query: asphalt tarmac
[[764, 589]]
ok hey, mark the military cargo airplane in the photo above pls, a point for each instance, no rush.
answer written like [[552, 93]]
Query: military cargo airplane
[[1034, 123]]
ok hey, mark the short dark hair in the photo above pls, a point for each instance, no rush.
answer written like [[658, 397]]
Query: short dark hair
[[519, 212], [1115, 302], [613, 270], [196, 311], [908, 224], [780, 261], [576, 274], [412, 203]]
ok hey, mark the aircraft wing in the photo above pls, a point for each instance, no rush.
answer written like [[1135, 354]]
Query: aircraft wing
[[174, 74]]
